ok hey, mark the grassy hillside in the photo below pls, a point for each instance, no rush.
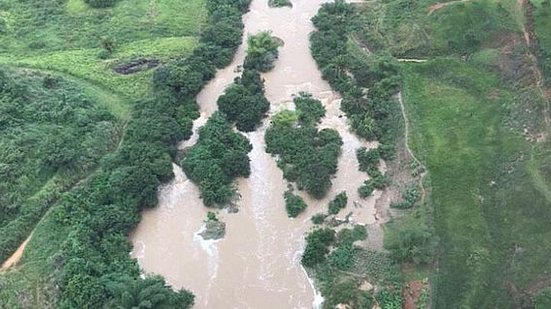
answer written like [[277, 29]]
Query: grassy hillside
[[52, 134], [488, 185], [478, 123], [71, 37], [92, 145]]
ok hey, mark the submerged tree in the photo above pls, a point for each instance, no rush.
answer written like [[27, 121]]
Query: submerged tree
[[262, 51]]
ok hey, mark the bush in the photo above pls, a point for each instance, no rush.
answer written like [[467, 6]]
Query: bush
[[543, 299], [101, 3], [367, 158], [342, 257], [410, 196], [409, 241], [280, 3], [318, 218], [338, 203], [366, 189], [294, 204]]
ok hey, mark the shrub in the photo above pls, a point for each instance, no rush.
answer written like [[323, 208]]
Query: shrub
[[366, 189], [409, 241], [279, 3], [338, 203], [318, 218], [294, 204], [367, 158]]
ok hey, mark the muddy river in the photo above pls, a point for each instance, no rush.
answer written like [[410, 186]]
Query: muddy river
[[257, 264]]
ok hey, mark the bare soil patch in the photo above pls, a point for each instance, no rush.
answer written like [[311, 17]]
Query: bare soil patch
[[136, 65]]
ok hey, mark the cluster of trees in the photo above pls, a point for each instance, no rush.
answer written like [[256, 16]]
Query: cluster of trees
[[306, 156], [319, 242], [50, 137], [218, 157], [328, 254], [367, 92], [93, 266], [244, 102]]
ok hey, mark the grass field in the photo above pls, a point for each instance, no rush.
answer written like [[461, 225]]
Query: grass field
[[489, 190], [477, 124], [66, 36]]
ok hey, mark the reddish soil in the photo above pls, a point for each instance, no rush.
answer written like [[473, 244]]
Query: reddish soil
[[411, 292]]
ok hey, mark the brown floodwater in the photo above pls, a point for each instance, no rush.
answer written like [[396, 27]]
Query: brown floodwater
[[257, 264]]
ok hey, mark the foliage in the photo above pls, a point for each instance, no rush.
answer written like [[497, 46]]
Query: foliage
[[543, 299], [294, 204], [51, 136], [541, 13], [306, 155], [373, 114], [244, 101], [410, 196], [88, 251], [409, 241], [280, 3], [261, 51], [218, 157], [317, 246], [101, 3], [149, 293], [366, 189], [367, 158], [318, 218], [390, 299], [482, 171], [211, 216], [338, 203], [310, 111]]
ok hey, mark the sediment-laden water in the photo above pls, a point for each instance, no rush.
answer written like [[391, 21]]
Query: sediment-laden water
[[257, 264]]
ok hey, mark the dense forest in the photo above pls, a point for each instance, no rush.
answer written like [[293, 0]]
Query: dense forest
[[87, 250], [306, 155]]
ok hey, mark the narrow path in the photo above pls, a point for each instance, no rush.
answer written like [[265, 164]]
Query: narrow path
[[16, 256], [408, 148], [412, 60], [528, 34]]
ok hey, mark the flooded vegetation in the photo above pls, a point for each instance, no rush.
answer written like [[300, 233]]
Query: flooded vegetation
[[257, 263]]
